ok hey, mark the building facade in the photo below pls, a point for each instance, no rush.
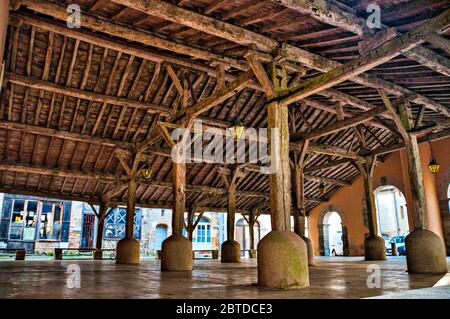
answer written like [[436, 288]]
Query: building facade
[[39, 225]]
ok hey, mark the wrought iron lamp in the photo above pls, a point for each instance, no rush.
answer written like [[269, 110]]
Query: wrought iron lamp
[[433, 166], [146, 171]]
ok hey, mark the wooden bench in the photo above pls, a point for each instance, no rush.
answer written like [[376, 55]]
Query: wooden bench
[[214, 253], [97, 256], [20, 252]]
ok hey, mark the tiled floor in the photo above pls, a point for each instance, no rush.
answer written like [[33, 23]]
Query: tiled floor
[[336, 277]]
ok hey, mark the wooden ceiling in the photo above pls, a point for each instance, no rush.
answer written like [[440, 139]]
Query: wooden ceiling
[[72, 97]]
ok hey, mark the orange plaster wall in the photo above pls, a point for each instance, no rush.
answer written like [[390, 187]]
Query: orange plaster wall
[[349, 200]]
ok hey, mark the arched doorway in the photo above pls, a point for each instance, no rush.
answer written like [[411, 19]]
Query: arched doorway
[[392, 214], [160, 235], [333, 236]]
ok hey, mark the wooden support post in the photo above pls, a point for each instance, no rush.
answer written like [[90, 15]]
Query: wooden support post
[[98, 255], [131, 207], [4, 13], [369, 195], [414, 167], [425, 251], [179, 184], [374, 247], [190, 224], [280, 183], [252, 221], [128, 248], [176, 251], [298, 197], [231, 249], [231, 214], [282, 255]]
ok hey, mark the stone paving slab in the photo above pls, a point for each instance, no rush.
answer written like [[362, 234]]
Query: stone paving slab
[[334, 277]]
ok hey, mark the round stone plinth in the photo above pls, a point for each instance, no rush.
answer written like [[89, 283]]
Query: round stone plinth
[[283, 261], [425, 253], [310, 250], [374, 248], [176, 254], [230, 252], [128, 251]]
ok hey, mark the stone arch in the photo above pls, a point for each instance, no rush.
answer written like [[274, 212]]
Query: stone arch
[[389, 180], [392, 211], [323, 228]]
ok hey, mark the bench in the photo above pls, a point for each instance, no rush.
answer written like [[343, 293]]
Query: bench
[[97, 253], [20, 252], [214, 253]]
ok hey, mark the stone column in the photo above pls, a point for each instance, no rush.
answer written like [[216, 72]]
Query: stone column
[[176, 251], [282, 255], [128, 248], [374, 246], [231, 249], [425, 251], [98, 255]]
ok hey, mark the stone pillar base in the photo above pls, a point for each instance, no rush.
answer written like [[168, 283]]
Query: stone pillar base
[[374, 248], [176, 254], [128, 251], [98, 255], [310, 250], [230, 252], [283, 261], [425, 253]]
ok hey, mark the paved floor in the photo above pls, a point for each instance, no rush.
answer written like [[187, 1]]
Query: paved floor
[[334, 277]]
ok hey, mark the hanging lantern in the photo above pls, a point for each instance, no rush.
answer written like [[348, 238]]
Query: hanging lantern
[[146, 171], [237, 129], [433, 166], [322, 188]]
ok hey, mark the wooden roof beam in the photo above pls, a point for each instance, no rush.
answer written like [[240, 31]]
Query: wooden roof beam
[[227, 91], [85, 95], [366, 61], [340, 125], [308, 59], [111, 178], [102, 25], [333, 14]]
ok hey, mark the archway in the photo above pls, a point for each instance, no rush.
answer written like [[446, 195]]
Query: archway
[[333, 235], [160, 235], [392, 214]]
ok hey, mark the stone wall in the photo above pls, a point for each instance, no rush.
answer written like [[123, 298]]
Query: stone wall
[[76, 225]]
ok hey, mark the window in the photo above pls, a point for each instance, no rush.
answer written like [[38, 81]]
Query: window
[[23, 220], [202, 234], [50, 221], [30, 216], [115, 223]]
